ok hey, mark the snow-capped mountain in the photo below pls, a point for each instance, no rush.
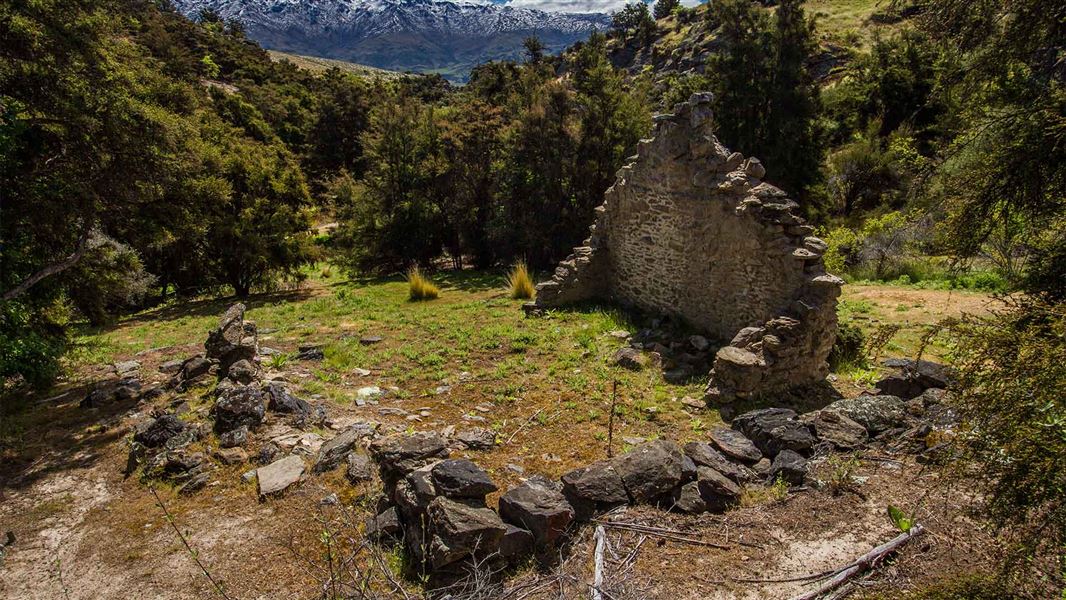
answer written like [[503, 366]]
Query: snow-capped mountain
[[443, 36]]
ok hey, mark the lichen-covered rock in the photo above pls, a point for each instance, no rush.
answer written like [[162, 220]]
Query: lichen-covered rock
[[279, 400], [360, 469], [242, 406], [539, 507], [875, 413], [651, 471], [705, 455], [159, 431], [399, 454], [233, 438], [458, 530], [233, 340], [775, 429], [840, 431], [477, 438], [734, 444], [461, 478]]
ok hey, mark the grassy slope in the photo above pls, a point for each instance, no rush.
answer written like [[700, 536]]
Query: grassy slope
[[317, 64]]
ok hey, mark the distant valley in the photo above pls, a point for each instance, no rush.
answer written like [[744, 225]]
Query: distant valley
[[426, 36]]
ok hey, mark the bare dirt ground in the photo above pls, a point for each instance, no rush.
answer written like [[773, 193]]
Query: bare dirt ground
[[85, 532]]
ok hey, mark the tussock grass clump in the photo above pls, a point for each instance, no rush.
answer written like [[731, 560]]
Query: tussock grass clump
[[420, 287], [519, 283]]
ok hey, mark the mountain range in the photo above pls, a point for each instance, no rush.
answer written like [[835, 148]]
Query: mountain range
[[429, 36]]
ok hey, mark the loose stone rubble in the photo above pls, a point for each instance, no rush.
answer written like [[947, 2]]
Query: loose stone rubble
[[434, 505], [690, 229]]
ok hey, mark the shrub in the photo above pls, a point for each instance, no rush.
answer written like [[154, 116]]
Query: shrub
[[1012, 370], [519, 283], [848, 348], [420, 287], [31, 342]]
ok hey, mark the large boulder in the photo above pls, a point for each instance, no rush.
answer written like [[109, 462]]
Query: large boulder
[[399, 454], [159, 431], [651, 471], [789, 466], [594, 488], [875, 413], [458, 531], [280, 474], [537, 506], [461, 478], [242, 406], [833, 427], [705, 455], [719, 493], [735, 445], [775, 429]]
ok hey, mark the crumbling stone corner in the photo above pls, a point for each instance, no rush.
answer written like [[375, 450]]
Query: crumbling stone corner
[[691, 230]]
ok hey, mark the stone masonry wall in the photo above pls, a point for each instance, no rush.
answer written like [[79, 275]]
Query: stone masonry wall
[[690, 229]]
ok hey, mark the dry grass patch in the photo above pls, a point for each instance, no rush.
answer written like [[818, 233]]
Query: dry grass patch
[[420, 287], [519, 283]]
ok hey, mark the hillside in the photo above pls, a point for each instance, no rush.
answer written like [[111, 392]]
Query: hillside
[[683, 42], [317, 65]]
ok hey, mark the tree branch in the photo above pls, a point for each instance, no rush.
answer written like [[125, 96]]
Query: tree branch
[[54, 268]]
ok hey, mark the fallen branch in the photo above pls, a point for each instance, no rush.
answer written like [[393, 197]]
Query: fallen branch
[[597, 579], [864, 563], [193, 553], [524, 425], [666, 534]]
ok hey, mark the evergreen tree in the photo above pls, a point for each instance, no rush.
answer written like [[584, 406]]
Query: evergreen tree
[[766, 103], [665, 8]]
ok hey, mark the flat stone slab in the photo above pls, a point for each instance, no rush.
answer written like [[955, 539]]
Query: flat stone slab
[[280, 474], [734, 445]]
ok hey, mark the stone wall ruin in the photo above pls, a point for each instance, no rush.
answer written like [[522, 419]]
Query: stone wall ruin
[[690, 229]]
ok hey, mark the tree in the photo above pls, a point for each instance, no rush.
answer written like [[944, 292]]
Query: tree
[[394, 222], [634, 20], [665, 8], [766, 102], [534, 48], [259, 221]]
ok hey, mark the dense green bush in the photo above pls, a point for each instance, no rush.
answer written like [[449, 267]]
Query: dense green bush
[[1012, 371]]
